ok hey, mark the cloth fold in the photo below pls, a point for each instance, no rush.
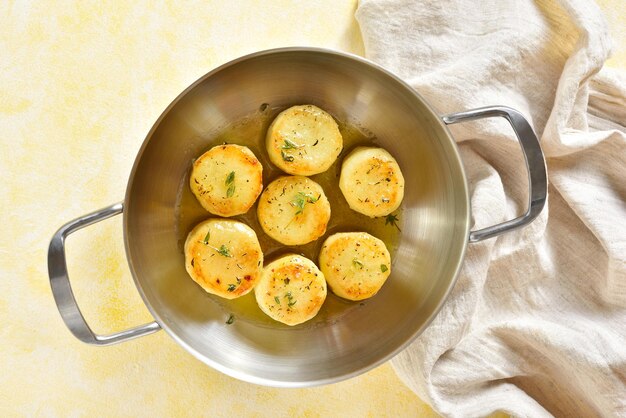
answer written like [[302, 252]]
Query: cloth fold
[[536, 324]]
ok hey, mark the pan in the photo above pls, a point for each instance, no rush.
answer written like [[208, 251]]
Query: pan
[[348, 338]]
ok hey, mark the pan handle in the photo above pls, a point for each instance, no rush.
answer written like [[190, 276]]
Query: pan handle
[[535, 164], [62, 291]]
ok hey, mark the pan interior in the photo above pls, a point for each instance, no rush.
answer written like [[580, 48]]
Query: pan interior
[[348, 338]]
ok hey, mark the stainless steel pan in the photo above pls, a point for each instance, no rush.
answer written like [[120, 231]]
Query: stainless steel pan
[[435, 221]]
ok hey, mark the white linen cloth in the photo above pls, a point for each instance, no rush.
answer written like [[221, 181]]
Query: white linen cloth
[[536, 324]]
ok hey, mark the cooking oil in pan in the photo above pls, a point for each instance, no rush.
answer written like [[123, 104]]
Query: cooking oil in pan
[[250, 131]]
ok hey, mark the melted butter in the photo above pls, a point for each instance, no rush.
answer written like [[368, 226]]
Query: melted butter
[[250, 132]]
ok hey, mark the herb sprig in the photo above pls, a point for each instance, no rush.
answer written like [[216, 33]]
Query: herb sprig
[[230, 182], [392, 220], [287, 144], [299, 202], [301, 199], [356, 263], [286, 157], [223, 250], [290, 299]]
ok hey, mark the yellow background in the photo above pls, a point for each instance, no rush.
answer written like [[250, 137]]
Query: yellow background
[[81, 83]]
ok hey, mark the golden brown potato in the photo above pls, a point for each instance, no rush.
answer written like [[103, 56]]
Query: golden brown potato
[[291, 290], [371, 181], [355, 264], [224, 257], [303, 140], [294, 210], [227, 179]]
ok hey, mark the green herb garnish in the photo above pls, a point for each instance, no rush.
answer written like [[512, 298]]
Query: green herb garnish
[[301, 200], [290, 145], [277, 299], [286, 157], [230, 178], [223, 250], [230, 319], [357, 263], [230, 182], [231, 287], [392, 220], [383, 268], [298, 203], [290, 301]]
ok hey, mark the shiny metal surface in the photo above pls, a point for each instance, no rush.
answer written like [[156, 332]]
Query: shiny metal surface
[[435, 219], [535, 165], [62, 291]]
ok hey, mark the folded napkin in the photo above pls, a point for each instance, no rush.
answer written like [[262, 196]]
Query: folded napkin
[[536, 324]]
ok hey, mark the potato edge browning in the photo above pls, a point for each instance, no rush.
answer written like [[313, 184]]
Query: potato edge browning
[[303, 140], [207, 254], [294, 210], [235, 190], [371, 181], [292, 290], [355, 264]]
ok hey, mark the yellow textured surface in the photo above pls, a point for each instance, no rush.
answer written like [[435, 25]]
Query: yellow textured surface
[[81, 83]]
